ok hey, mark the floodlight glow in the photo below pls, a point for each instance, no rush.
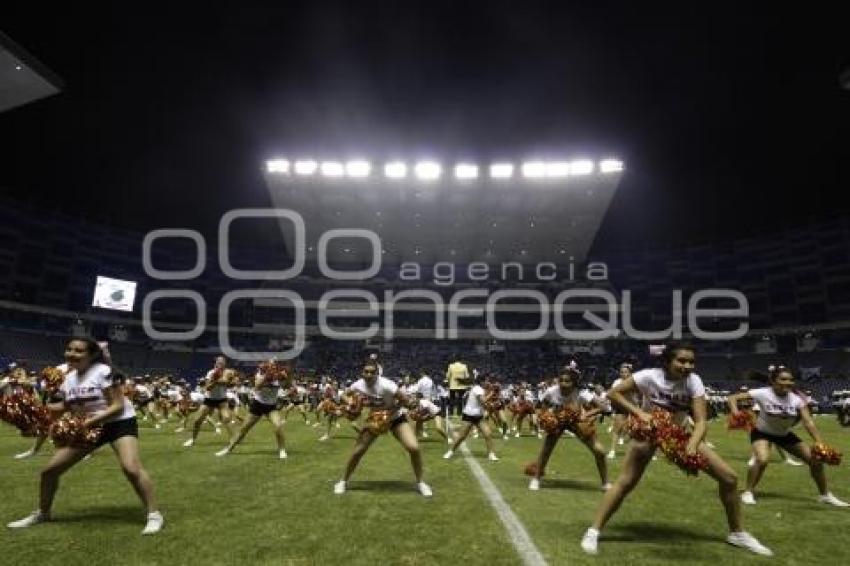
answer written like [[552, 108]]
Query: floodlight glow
[[466, 171], [395, 170], [358, 168], [277, 166], [428, 170], [533, 169], [332, 169], [501, 170], [610, 166], [581, 167], [306, 167], [557, 169]]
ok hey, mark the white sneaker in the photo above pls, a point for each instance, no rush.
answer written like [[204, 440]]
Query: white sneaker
[[612, 455], [337, 425], [180, 429], [223, 452], [424, 434], [569, 434], [316, 425], [747, 541], [505, 437], [793, 462], [157, 426], [448, 455], [475, 434], [189, 443], [492, 457], [28, 454], [323, 438], [282, 454], [590, 541], [218, 430], [830, 499], [620, 441], [747, 497], [33, 518], [751, 462], [610, 429], [534, 484], [516, 435], [424, 489], [539, 434], [606, 486], [154, 524], [339, 487]]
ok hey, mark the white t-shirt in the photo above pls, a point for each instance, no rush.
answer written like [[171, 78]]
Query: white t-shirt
[[474, 406], [266, 393], [143, 392], [425, 387], [776, 414], [379, 396], [84, 393], [218, 392], [671, 395], [553, 396]]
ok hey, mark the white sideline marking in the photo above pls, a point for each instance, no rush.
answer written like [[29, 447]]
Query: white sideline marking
[[523, 544]]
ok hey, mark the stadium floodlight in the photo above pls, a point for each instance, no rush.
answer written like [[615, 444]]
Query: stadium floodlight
[[557, 169], [278, 166], [501, 170], [466, 171], [305, 167], [428, 170], [332, 169], [610, 166], [395, 170], [358, 168], [534, 169], [581, 167]]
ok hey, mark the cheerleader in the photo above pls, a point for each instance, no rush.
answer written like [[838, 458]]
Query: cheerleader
[[523, 406], [618, 421], [267, 383], [329, 408], [566, 394], [381, 394], [215, 398], [674, 388], [91, 389], [779, 409], [427, 410], [472, 415]]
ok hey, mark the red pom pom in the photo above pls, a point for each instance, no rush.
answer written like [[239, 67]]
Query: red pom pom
[[827, 454], [25, 413], [71, 430], [670, 438], [531, 469], [744, 420], [378, 422], [549, 422]]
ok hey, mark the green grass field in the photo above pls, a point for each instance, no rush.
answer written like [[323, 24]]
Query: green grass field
[[253, 508]]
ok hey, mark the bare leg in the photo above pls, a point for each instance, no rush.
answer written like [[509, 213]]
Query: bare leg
[[63, 460], [727, 487], [407, 438], [761, 457], [365, 440], [127, 449], [634, 464]]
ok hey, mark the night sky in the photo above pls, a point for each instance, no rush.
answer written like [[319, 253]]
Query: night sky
[[730, 118]]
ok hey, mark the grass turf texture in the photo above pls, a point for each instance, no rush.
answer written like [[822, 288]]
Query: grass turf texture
[[251, 507]]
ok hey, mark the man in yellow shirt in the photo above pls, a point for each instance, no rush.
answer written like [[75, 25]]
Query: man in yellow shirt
[[460, 380]]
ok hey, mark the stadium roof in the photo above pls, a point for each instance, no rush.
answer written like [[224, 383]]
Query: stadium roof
[[428, 212], [22, 78]]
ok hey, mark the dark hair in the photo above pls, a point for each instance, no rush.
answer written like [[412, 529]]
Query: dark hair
[[93, 349], [670, 351], [774, 370]]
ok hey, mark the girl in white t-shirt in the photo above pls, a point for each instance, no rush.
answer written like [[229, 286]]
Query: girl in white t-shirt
[[383, 395], [618, 433], [215, 398], [473, 416], [674, 388], [779, 409], [90, 389], [263, 403], [566, 394]]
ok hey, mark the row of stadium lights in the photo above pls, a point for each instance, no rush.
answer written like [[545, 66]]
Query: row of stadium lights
[[432, 171]]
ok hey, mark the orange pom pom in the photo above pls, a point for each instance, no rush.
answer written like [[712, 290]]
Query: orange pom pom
[[531, 469], [744, 420], [549, 422], [824, 453], [378, 422]]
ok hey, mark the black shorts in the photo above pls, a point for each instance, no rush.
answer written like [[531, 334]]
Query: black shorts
[[471, 419], [114, 430], [788, 441], [214, 403], [397, 421], [260, 409], [297, 403]]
